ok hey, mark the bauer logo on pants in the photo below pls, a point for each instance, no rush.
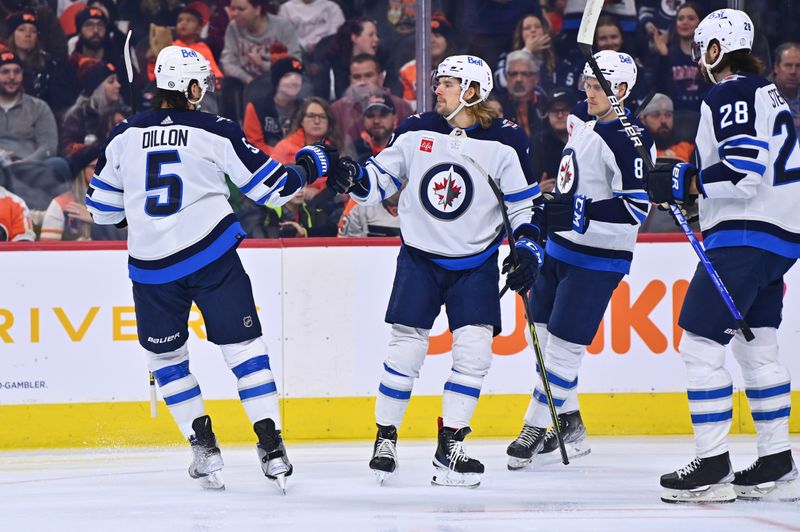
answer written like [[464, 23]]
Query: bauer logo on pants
[[446, 191]]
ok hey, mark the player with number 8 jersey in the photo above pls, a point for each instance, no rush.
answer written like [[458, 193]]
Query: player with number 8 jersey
[[748, 184], [162, 172]]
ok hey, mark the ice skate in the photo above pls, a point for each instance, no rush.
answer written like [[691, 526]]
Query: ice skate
[[702, 480], [272, 453], [770, 478], [384, 454], [529, 442], [453, 466], [207, 463], [574, 433]]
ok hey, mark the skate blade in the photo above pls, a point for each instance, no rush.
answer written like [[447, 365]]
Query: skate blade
[[515, 464], [446, 477], [280, 481], [714, 493], [780, 491], [212, 481], [574, 450], [382, 476]]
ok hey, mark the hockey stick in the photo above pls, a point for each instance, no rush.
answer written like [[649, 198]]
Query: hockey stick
[[537, 349], [129, 72], [642, 105], [585, 39]]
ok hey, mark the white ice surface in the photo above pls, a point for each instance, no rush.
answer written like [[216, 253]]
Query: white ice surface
[[147, 489]]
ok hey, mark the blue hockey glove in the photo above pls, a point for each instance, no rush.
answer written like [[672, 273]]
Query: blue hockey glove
[[669, 182], [317, 160], [346, 176], [567, 213], [521, 277]]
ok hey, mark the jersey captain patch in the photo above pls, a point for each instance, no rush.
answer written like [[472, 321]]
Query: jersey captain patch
[[567, 172], [446, 191]]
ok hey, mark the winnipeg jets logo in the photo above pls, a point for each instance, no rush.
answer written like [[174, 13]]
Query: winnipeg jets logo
[[446, 191], [567, 178]]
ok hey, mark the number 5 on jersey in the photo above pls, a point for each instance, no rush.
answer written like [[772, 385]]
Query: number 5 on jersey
[[154, 206]]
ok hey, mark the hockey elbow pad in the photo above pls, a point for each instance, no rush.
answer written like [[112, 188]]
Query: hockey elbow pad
[[317, 160]]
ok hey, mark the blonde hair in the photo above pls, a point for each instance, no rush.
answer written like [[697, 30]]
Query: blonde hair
[[481, 112]]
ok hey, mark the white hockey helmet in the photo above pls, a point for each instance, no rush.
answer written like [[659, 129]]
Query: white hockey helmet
[[617, 67], [469, 69], [731, 28], [176, 67]]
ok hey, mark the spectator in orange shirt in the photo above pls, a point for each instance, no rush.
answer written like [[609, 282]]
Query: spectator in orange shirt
[[658, 118], [15, 219], [314, 122]]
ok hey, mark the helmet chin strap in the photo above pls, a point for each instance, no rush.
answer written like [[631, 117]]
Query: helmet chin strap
[[709, 68]]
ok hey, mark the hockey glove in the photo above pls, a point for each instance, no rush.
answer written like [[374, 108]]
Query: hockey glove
[[669, 182], [567, 213], [317, 160], [521, 277], [348, 176]]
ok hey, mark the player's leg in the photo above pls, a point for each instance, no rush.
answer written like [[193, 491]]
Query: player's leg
[[162, 312], [224, 295], [413, 306], [709, 327], [575, 316], [767, 386], [473, 312]]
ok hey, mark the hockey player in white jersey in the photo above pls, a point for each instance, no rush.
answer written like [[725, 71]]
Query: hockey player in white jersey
[[748, 183], [452, 228], [162, 174], [592, 225]]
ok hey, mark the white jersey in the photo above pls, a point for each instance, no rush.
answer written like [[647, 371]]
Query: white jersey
[[749, 164], [447, 209], [164, 172], [600, 162]]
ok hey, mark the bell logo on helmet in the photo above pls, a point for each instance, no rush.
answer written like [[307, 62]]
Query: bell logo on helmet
[[625, 58], [188, 53], [474, 60]]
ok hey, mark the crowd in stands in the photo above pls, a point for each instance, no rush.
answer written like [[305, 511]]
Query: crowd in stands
[[294, 72]]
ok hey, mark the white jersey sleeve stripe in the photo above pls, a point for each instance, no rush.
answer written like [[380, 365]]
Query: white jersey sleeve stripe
[[261, 175], [98, 183]]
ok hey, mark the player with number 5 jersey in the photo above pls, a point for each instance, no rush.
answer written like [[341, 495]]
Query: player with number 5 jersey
[[162, 173], [747, 185]]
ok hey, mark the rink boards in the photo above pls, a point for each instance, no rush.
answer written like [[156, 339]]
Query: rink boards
[[73, 374]]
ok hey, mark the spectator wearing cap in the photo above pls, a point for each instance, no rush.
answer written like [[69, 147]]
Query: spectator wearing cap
[[66, 217], [659, 120], [43, 75], [93, 42], [786, 75], [115, 36], [366, 80], [525, 98], [441, 38], [192, 18], [15, 218], [27, 125], [549, 143], [268, 118], [380, 120], [100, 93], [51, 35], [313, 19]]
